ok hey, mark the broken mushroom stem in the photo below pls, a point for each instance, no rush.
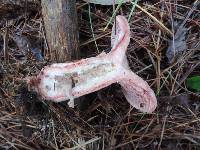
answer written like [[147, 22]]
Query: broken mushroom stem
[[63, 81]]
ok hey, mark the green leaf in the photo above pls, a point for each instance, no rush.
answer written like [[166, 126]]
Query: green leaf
[[193, 83]]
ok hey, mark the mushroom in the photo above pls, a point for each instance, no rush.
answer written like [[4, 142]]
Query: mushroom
[[66, 81]]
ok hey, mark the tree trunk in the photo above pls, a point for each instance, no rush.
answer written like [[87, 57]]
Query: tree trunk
[[60, 20]]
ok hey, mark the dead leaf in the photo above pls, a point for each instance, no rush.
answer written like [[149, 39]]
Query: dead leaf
[[107, 2]]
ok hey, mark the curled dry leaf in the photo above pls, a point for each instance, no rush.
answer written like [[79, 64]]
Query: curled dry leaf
[[25, 46], [178, 44], [63, 81]]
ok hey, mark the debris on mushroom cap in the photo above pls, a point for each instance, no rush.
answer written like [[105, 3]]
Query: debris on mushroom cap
[[64, 81]]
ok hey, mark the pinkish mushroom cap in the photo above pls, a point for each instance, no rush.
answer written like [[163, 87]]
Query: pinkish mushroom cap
[[63, 81]]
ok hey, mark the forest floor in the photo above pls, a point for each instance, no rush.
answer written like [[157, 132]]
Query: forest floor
[[164, 51]]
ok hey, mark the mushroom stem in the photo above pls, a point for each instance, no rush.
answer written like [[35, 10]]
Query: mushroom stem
[[63, 81]]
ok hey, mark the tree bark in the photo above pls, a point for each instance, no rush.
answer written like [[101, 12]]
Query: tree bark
[[60, 20]]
